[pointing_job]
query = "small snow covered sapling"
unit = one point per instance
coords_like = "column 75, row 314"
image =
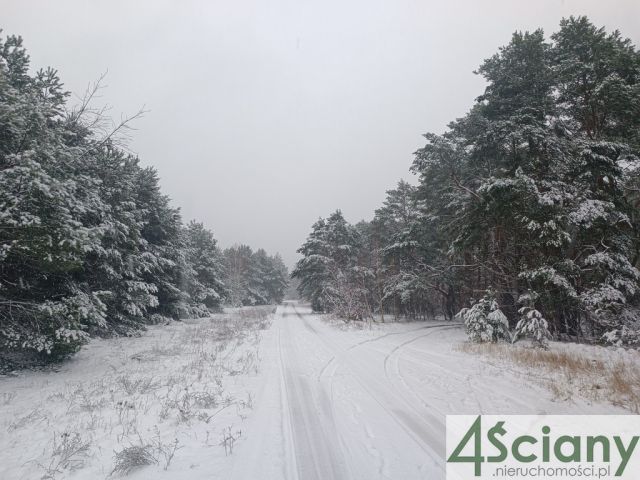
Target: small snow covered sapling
column 623, row 336
column 484, row 321
column 531, row 323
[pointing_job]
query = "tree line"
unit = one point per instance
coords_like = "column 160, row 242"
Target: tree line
column 528, row 205
column 89, row 244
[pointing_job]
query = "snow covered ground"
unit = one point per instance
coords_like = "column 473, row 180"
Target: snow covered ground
column 164, row 405
column 302, row 399
column 365, row 404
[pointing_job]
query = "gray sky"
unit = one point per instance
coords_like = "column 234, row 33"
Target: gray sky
column 265, row 115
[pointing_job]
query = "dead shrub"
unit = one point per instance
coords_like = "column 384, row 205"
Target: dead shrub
column 132, row 458
column 70, row 451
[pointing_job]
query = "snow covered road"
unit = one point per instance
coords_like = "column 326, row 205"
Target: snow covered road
column 371, row 404
column 248, row 394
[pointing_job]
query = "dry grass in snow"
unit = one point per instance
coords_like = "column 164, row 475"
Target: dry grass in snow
column 595, row 373
column 168, row 404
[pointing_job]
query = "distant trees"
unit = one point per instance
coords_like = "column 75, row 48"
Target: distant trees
column 205, row 280
column 329, row 272
column 533, row 196
column 88, row 242
column 254, row 278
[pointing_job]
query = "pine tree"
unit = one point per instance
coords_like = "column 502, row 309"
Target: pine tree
column 276, row 275
column 531, row 323
column 407, row 247
column 312, row 270
column 254, row 278
column 330, row 276
column 534, row 190
column 119, row 267
column 47, row 204
column 204, row 264
column 484, row 320
column 530, row 197
column 89, row 244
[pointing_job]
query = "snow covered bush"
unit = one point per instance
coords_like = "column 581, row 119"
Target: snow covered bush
column 622, row 337
column 132, row 458
column 532, row 324
column 347, row 299
column 484, row 321
column 623, row 328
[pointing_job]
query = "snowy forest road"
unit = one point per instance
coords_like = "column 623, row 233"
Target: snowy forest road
column 345, row 410
column 339, row 403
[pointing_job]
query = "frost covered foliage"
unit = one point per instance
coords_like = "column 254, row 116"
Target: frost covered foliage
column 254, row 278
column 622, row 337
column 346, row 298
column 49, row 211
column 536, row 188
column 484, row 321
column 203, row 273
column 331, row 276
column 540, row 190
column 532, row 325
column 88, row 242
column 624, row 328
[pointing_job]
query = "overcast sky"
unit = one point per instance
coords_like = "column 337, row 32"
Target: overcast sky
column 265, row 115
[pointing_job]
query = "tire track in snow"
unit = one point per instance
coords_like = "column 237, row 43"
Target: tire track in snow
column 415, row 339
column 290, row 467
column 268, row 451
column 345, row 447
column 332, row 367
column 435, row 421
column 310, row 414
column 371, row 340
column 390, row 402
column 450, row 374
column 481, row 393
column 393, row 358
